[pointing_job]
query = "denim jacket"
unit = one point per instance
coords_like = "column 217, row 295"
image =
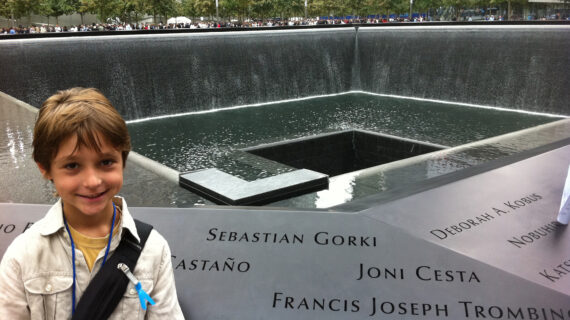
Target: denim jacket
column 36, row 273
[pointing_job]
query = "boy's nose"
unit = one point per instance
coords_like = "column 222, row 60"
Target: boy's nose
column 91, row 178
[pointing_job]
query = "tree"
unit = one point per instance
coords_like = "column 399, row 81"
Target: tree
column 187, row 8
column 138, row 9
column 84, row 6
column 426, row 5
column 15, row 9
column 204, row 8
column 164, row 8
column 399, row 6
column 45, row 9
column 235, row 8
column 6, row 8
column 107, row 9
column 324, row 7
column 351, row 7
column 127, row 8
column 288, row 8
column 261, row 8
column 58, row 8
column 373, row 7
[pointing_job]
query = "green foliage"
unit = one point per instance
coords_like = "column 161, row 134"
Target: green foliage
column 288, row 8
column 187, row 8
column 234, row 8
column 45, row 9
column 133, row 10
column 205, row 8
column 128, row 10
column 85, row 6
column 106, row 9
column 261, row 9
column 324, row 7
column 6, row 8
column 424, row 5
column 164, row 8
column 61, row 7
column 373, row 7
column 18, row 8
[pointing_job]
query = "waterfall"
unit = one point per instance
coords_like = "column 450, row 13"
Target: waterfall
column 509, row 66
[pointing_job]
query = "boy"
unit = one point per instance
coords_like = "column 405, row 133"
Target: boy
column 81, row 144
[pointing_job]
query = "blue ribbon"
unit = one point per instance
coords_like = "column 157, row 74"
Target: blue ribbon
column 143, row 296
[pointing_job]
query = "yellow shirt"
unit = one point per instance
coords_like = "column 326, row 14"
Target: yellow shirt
column 90, row 247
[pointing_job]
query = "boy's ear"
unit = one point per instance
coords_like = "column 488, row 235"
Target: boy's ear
column 43, row 170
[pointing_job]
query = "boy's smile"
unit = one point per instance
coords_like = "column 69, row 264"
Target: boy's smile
column 86, row 181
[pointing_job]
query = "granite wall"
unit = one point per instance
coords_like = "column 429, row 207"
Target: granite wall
column 521, row 67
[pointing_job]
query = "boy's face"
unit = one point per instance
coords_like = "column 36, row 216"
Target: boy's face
column 86, row 180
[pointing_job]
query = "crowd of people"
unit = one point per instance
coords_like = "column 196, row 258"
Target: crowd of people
column 94, row 27
column 42, row 28
column 112, row 27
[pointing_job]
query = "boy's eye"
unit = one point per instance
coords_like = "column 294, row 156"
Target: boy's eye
column 71, row 166
column 107, row 162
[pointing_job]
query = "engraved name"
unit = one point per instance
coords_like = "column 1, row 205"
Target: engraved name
column 423, row 273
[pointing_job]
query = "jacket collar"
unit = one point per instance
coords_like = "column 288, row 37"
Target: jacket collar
column 53, row 221
column 127, row 221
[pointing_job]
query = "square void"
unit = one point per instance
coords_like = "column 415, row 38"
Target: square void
column 342, row 152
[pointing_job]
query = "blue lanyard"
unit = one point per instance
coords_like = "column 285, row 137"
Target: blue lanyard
column 73, row 251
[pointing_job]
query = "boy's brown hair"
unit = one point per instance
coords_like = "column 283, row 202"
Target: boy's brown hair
column 83, row 112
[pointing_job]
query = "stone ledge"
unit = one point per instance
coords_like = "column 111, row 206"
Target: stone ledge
column 223, row 188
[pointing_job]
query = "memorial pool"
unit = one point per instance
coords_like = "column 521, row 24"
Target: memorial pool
column 495, row 159
column 179, row 74
column 203, row 140
column 214, row 139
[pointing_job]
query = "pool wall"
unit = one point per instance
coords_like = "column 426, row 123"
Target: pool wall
column 520, row 67
column 514, row 67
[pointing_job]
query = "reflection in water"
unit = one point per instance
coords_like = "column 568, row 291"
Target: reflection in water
column 21, row 180
column 206, row 140
column 341, row 191
column 214, row 139
column 442, row 163
column 16, row 136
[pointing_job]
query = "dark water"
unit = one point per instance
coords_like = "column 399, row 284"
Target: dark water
column 208, row 140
